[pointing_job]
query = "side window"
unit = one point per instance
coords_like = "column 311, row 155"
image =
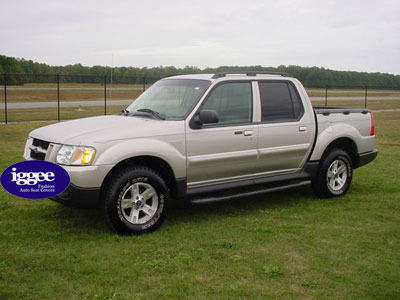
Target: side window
column 279, row 102
column 233, row 103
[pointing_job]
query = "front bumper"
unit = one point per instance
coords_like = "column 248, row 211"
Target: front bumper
column 84, row 188
column 365, row 158
column 78, row 197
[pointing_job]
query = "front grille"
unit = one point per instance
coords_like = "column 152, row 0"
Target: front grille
column 37, row 156
column 40, row 143
column 41, row 146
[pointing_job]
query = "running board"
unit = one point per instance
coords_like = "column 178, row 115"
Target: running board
column 205, row 200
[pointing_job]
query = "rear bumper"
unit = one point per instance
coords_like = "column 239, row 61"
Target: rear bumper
column 365, row 158
column 78, row 197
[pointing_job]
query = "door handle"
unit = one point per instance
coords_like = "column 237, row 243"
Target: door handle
column 248, row 133
column 302, row 128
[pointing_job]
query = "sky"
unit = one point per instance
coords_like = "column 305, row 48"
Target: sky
column 341, row 35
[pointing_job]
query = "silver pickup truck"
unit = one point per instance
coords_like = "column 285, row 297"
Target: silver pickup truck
column 205, row 138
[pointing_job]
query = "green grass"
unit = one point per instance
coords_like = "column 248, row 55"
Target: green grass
column 50, row 114
column 286, row 245
column 68, row 113
column 126, row 92
column 371, row 104
column 25, row 93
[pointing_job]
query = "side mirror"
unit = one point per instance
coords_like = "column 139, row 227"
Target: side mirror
column 204, row 117
column 208, row 116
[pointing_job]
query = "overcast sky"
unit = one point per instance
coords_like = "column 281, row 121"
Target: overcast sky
column 343, row 35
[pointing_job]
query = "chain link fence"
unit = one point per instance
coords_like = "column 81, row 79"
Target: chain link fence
column 42, row 97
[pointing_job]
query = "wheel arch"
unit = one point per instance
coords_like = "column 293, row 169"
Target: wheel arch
column 346, row 144
column 340, row 135
column 155, row 163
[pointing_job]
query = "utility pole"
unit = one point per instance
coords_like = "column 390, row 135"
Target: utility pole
column 111, row 78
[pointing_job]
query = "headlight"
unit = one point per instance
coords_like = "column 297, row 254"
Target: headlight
column 74, row 155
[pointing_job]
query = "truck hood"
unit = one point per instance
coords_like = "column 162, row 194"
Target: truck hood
column 106, row 128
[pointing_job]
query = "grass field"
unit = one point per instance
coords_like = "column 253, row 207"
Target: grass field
column 337, row 93
column 71, row 93
column 76, row 91
column 372, row 104
column 67, row 113
column 285, row 245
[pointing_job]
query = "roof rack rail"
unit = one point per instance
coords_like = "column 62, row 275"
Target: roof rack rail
column 250, row 73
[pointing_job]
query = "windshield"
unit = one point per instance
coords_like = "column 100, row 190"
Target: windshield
column 170, row 98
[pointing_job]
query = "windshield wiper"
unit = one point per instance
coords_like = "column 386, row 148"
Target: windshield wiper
column 153, row 112
column 124, row 112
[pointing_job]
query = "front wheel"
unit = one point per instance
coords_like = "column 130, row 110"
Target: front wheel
column 135, row 200
column 334, row 174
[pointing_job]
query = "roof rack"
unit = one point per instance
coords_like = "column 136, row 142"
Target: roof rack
column 250, row 73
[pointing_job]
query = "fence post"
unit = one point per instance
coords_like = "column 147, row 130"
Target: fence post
column 366, row 96
column 326, row 95
column 58, row 97
column 144, row 83
column 5, row 98
column 105, row 94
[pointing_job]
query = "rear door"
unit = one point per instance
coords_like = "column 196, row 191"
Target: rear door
column 286, row 128
column 226, row 150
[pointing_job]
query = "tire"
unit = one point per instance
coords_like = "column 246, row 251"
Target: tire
column 135, row 200
column 334, row 174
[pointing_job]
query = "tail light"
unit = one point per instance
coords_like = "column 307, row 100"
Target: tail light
column 372, row 132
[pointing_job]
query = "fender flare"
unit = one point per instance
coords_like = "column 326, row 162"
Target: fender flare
column 145, row 147
column 331, row 134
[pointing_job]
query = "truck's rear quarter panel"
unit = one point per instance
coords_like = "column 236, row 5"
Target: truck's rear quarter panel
column 334, row 124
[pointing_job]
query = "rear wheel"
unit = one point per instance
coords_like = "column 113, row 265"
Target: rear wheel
column 135, row 200
column 334, row 174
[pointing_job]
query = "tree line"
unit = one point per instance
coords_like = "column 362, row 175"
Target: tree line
column 43, row 73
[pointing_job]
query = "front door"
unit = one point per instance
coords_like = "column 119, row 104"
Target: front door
column 226, row 150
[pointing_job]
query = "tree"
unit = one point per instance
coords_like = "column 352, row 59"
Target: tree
column 307, row 75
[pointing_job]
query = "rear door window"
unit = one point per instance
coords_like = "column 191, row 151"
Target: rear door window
column 279, row 102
